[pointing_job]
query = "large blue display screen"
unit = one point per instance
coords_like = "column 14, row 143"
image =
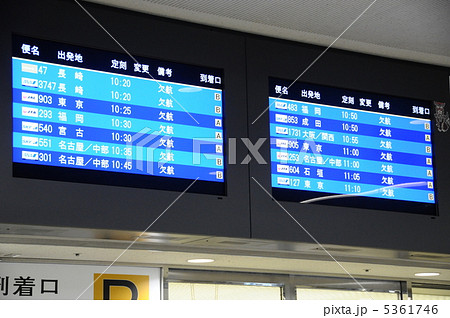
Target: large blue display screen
column 87, row 115
column 350, row 148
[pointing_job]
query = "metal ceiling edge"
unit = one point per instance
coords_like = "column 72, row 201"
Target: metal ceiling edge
column 110, row 239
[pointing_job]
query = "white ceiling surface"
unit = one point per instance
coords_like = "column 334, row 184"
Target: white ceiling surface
column 24, row 243
column 416, row 30
column 241, row 263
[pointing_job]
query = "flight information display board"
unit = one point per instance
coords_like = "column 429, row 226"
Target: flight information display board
column 349, row 148
column 88, row 115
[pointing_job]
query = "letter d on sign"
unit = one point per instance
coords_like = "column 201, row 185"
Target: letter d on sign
column 107, row 283
column 121, row 287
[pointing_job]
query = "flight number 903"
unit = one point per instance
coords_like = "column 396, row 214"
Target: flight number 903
column 45, row 99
